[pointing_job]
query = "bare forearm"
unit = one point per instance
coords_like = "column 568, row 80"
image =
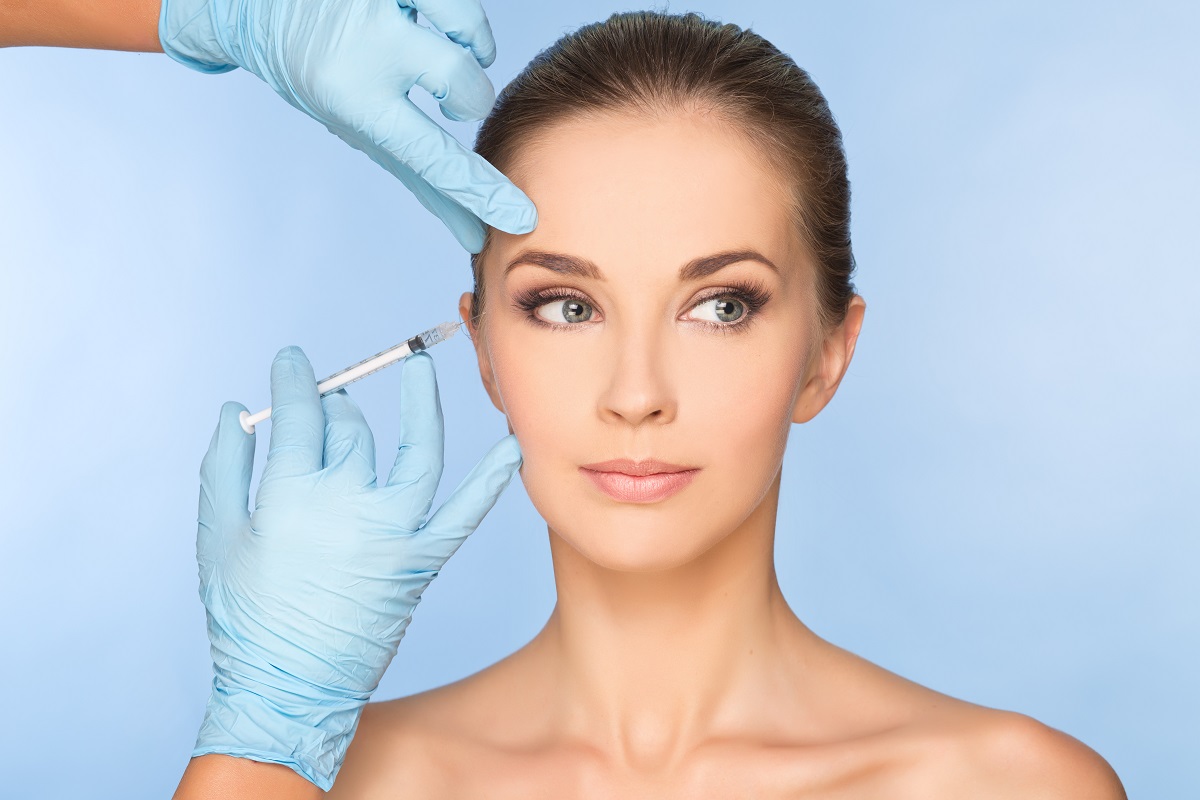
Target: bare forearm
column 230, row 778
column 96, row 24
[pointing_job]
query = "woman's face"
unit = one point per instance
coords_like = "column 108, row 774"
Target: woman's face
column 707, row 370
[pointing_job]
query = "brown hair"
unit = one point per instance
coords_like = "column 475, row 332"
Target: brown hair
column 652, row 62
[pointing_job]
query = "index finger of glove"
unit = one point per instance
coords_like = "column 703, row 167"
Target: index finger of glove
column 407, row 135
column 463, row 21
column 297, row 421
column 464, row 225
column 349, row 443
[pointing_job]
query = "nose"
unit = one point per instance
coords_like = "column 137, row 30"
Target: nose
column 640, row 386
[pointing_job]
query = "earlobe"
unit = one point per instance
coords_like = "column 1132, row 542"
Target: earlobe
column 481, row 356
column 464, row 314
column 834, row 356
column 812, row 398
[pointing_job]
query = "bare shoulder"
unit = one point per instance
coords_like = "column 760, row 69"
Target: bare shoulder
column 392, row 756
column 377, row 753
column 942, row 746
column 1004, row 754
column 465, row 738
column 427, row 744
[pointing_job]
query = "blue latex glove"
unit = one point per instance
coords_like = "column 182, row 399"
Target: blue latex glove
column 349, row 64
column 309, row 596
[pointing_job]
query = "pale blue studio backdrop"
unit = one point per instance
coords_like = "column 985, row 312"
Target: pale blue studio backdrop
column 1000, row 503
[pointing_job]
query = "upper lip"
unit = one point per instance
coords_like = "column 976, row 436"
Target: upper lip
column 647, row 466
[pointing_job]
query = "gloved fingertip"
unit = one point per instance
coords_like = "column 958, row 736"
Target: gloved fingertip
column 528, row 220
column 471, row 239
column 291, row 374
column 231, row 408
column 230, row 444
column 418, row 382
column 420, row 357
column 230, row 420
column 291, row 351
column 508, row 451
column 483, row 44
column 521, row 218
column 462, row 112
column 334, row 400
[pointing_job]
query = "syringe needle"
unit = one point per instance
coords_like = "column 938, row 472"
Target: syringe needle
column 368, row 366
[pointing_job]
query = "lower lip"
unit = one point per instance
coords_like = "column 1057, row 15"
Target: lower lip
column 640, row 489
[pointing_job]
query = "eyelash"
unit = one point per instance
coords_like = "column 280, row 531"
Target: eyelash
column 752, row 295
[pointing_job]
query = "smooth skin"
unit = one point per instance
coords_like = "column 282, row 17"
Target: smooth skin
column 108, row 25
column 671, row 665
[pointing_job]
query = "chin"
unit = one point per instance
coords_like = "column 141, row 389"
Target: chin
column 637, row 537
column 629, row 537
column 630, row 551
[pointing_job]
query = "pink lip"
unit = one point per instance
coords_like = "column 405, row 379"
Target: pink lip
column 639, row 481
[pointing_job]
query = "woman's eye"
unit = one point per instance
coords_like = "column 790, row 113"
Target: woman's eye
column 724, row 309
column 567, row 310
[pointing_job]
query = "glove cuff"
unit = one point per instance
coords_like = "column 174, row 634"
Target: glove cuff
column 313, row 742
column 193, row 32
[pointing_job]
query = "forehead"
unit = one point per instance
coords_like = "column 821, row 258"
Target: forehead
column 636, row 193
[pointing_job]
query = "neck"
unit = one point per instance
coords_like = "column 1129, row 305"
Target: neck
column 646, row 666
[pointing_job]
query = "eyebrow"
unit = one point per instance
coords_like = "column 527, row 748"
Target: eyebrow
column 695, row 269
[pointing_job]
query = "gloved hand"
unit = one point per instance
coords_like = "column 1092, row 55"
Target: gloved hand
column 349, row 64
column 309, row 596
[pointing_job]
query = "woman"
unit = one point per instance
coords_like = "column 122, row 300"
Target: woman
column 685, row 298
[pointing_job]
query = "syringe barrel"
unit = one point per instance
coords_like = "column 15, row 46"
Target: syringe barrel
column 368, row 366
column 434, row 335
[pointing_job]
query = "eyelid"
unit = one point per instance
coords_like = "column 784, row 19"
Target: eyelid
column 552, row 293
column 526, row 302
column 722, row 292
column 751, row 292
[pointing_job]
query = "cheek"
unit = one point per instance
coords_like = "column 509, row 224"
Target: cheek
column 732, row 410
column 532, row 390
column 554, row 406
column 741, row 417
column 744, row 401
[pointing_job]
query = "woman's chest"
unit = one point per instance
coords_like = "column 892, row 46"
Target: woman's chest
column 717, row 774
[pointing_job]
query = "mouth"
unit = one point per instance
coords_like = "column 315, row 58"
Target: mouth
column 647, row 481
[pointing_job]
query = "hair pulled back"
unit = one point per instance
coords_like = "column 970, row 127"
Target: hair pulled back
column 653, row 63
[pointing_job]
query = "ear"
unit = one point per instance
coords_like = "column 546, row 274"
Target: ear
column 481, row 354
column 830, row 364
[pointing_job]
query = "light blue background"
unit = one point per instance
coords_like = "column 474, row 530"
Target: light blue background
column 1000, row 503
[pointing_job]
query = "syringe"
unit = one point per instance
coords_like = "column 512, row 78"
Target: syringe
column 422, row 341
